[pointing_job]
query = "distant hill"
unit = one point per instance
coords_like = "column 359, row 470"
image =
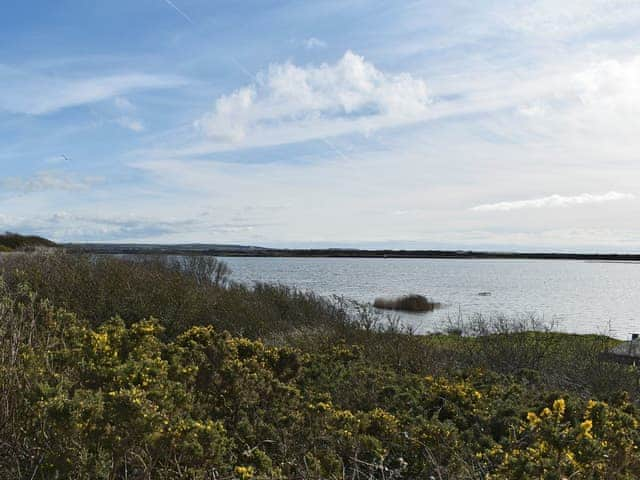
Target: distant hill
column 221, row 250
column 158, row 249
column 14, row 241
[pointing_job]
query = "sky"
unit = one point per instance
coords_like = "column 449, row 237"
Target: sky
column 502, row 125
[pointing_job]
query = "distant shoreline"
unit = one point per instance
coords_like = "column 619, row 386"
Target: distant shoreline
column 248, row 251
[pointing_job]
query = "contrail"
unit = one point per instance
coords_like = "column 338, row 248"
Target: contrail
column 190, row 20
column 173, row 5
column 244, row 70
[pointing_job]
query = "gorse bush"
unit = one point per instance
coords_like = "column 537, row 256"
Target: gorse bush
column 169, row 371
column 119, row 401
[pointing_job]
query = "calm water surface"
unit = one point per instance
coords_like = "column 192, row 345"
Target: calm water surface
column 581, row 297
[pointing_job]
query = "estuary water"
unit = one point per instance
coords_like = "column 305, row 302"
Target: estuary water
column 577, row 296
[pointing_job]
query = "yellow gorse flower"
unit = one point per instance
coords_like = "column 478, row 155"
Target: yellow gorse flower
column 585, row 429
column 559, row 406
column 533, row 419
column 244, row 473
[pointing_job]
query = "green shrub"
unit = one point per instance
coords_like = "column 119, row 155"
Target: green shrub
column 181, row 294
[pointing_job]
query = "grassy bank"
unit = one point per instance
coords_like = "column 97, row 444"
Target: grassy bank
column 152, row 369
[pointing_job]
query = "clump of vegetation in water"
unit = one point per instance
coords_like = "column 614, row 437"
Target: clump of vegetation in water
column 153, row 368
column 407, row 303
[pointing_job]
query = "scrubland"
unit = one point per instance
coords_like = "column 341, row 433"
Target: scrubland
column 152, row 368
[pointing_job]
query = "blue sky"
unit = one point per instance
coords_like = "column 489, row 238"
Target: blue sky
column 419, row 124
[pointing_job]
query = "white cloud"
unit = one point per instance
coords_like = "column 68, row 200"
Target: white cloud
column 592, row 109
column 46, row 181
column 611, row 83
column 123, row 103
column 554, row 201
column 231, row 117
column 550, row 18
column 291, row 102
column 130, row 123
column 313, row 42
column 535, row 109
column 36, row 94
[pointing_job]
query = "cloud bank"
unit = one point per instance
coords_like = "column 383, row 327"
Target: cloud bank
column 554, row 201
column 63, row 226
